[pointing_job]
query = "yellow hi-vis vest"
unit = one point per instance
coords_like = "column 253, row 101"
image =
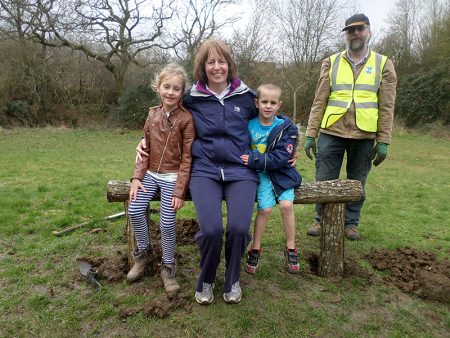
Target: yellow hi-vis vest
column 364, row 91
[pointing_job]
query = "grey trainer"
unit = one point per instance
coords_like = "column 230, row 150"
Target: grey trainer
column 206, row 296
column 235, row 295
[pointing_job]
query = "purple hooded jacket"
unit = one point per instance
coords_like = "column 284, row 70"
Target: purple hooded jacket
column 221, row 131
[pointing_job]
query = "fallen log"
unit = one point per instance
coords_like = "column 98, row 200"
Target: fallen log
column 334, row 191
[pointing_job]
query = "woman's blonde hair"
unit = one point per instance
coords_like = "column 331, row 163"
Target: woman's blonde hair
column 172, row 69
column 202, row 55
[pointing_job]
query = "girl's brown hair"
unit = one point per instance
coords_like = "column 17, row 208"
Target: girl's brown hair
column 202, row 55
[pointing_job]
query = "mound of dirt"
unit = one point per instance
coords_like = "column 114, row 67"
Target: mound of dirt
column 186, row 230
column 161, row 307
column 110, row 269
column 414, row 271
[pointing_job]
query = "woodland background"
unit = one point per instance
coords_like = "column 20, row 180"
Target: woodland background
column 80, row 63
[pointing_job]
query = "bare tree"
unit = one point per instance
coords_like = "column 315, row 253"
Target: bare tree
column 403, row 33
column 307, row 28
column 198, row 20
column 14, row 19
column 307, row 31
column 252, row 48
column 113, row 32
column 432, row 36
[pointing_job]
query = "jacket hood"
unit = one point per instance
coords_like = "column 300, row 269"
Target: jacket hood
column 237, row 86
column 275, row 133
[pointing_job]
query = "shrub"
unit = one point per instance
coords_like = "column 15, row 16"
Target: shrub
column 19, row 112
column 425, row 97
column 133, row 104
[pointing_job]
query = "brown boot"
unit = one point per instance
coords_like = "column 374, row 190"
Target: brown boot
column 352, row 233
column 168, row 276
column 141, row 259
column 314, row 230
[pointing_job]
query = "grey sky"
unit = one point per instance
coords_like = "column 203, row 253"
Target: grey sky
column 377, row 11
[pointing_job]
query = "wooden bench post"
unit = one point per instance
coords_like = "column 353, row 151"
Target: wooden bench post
column 331, row 259
column 332, row 195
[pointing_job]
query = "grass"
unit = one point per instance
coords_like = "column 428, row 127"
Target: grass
column 51, row 178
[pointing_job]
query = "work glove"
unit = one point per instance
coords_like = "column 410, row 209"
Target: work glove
column 379, row 153
column 310, row 144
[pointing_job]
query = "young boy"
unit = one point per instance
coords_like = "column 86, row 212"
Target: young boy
column 273, row 141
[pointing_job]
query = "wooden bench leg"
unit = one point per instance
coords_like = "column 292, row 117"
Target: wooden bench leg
column 331, row 259
column 131, row 242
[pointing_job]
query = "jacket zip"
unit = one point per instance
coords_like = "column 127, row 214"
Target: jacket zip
column 272, row 145
column 167, row 141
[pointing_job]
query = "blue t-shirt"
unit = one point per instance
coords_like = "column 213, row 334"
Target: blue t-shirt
column 259, row 133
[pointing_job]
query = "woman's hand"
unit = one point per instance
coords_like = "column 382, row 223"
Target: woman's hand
column 140, row 150
column 135, row 186
column 177, row 203
column 293, row 159
column 244, row 159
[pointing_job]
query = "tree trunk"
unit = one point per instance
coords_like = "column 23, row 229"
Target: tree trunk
column 331, row 259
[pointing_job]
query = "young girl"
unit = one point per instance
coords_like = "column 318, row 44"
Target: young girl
column 169, row 133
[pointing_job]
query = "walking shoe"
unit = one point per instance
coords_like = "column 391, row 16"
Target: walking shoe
column 235, row 295
column 168, row 272
column 352, row 233
column 141, row 259
column 205, row 296
column 252, row 261
column 314, row 230
column 292, row 260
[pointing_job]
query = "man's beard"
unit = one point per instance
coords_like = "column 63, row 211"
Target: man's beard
column 358, row 44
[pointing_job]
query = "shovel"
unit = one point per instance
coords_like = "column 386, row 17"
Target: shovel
column 90, row 273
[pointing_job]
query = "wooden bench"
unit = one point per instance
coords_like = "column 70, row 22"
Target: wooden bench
column 332, row 195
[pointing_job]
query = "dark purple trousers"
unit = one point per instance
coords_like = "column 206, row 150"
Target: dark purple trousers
column 207, row 195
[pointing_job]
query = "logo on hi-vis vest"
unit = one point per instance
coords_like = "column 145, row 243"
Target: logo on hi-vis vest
column 369, row 70
column 289, row 148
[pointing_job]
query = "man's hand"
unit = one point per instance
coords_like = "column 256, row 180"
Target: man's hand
column 140, row 150
column 135, row 186
column 310, row 144
column 177, row 203
column 379, row 153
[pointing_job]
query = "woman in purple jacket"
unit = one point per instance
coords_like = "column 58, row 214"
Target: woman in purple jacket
column 221, row 105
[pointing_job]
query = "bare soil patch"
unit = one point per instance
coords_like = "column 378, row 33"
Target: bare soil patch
column 351, row 268
column 115, row 268
column 161, row 307
column 414, row 271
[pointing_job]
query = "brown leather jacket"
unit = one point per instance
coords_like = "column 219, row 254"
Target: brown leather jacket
column 346, row 126
column 168, row 144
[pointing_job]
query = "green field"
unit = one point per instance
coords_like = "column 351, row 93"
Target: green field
column 51, row 179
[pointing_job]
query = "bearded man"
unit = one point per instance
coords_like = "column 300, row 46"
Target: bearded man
column 352, row 113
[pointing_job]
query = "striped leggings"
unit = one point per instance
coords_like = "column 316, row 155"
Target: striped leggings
column 138, row 208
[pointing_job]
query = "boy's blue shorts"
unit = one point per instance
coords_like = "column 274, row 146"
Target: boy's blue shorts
column 265, row 195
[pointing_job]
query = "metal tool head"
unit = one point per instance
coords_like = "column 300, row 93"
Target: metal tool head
column 85, row 267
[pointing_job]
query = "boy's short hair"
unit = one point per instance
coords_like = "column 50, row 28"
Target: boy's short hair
column 202, row 55
column 268, row 86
